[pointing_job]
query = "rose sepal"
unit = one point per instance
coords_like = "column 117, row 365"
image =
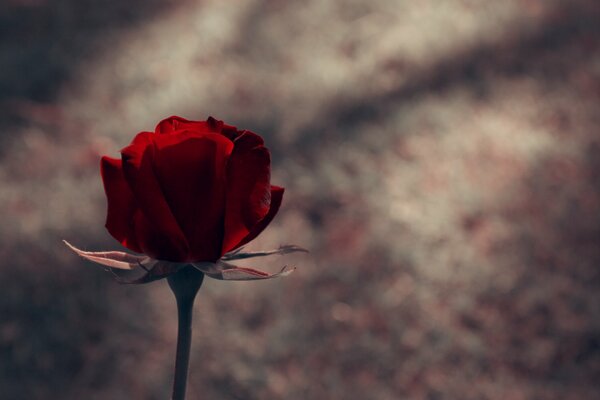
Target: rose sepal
column 158, row 269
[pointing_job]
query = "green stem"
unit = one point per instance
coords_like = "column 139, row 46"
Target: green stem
column 184, row 284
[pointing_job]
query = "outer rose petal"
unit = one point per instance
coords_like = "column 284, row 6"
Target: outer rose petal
column 248, row 188
column 191, row 170
column 217, row 126
column 175, row 123
column 276, row 199
column 158, row 233
column 121, row 203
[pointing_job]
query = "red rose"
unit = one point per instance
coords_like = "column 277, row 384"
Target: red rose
column 191, row 191
column 189, row 194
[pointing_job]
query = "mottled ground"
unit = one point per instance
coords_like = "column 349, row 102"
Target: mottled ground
column 441, row 160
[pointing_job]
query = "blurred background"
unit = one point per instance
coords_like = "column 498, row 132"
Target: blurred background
column 441, row 160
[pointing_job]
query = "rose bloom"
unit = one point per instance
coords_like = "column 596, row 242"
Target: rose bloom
column 189, row 193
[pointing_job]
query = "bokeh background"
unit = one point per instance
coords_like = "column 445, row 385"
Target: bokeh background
column 441, row 160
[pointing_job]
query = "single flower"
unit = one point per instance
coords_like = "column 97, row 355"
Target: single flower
column 189, row 193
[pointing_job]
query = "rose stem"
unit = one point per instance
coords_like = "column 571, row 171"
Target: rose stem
column 185, row 284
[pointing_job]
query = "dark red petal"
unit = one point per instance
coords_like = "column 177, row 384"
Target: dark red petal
column 248, row 188
column 154, row 242
column 218, row 126
column 158, row 233
column 121, row 204
column 191, row 170
column 230, row 132
column 276, row 199
column 214, row 124
column 175, row 123
column 247, row 140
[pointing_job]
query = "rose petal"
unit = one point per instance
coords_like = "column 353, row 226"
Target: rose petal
column 248, row 188
column 276, row 199
column 191, row 170
column 121, row 204
column 157, row 231
column 175, row 123
column 229, row 131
